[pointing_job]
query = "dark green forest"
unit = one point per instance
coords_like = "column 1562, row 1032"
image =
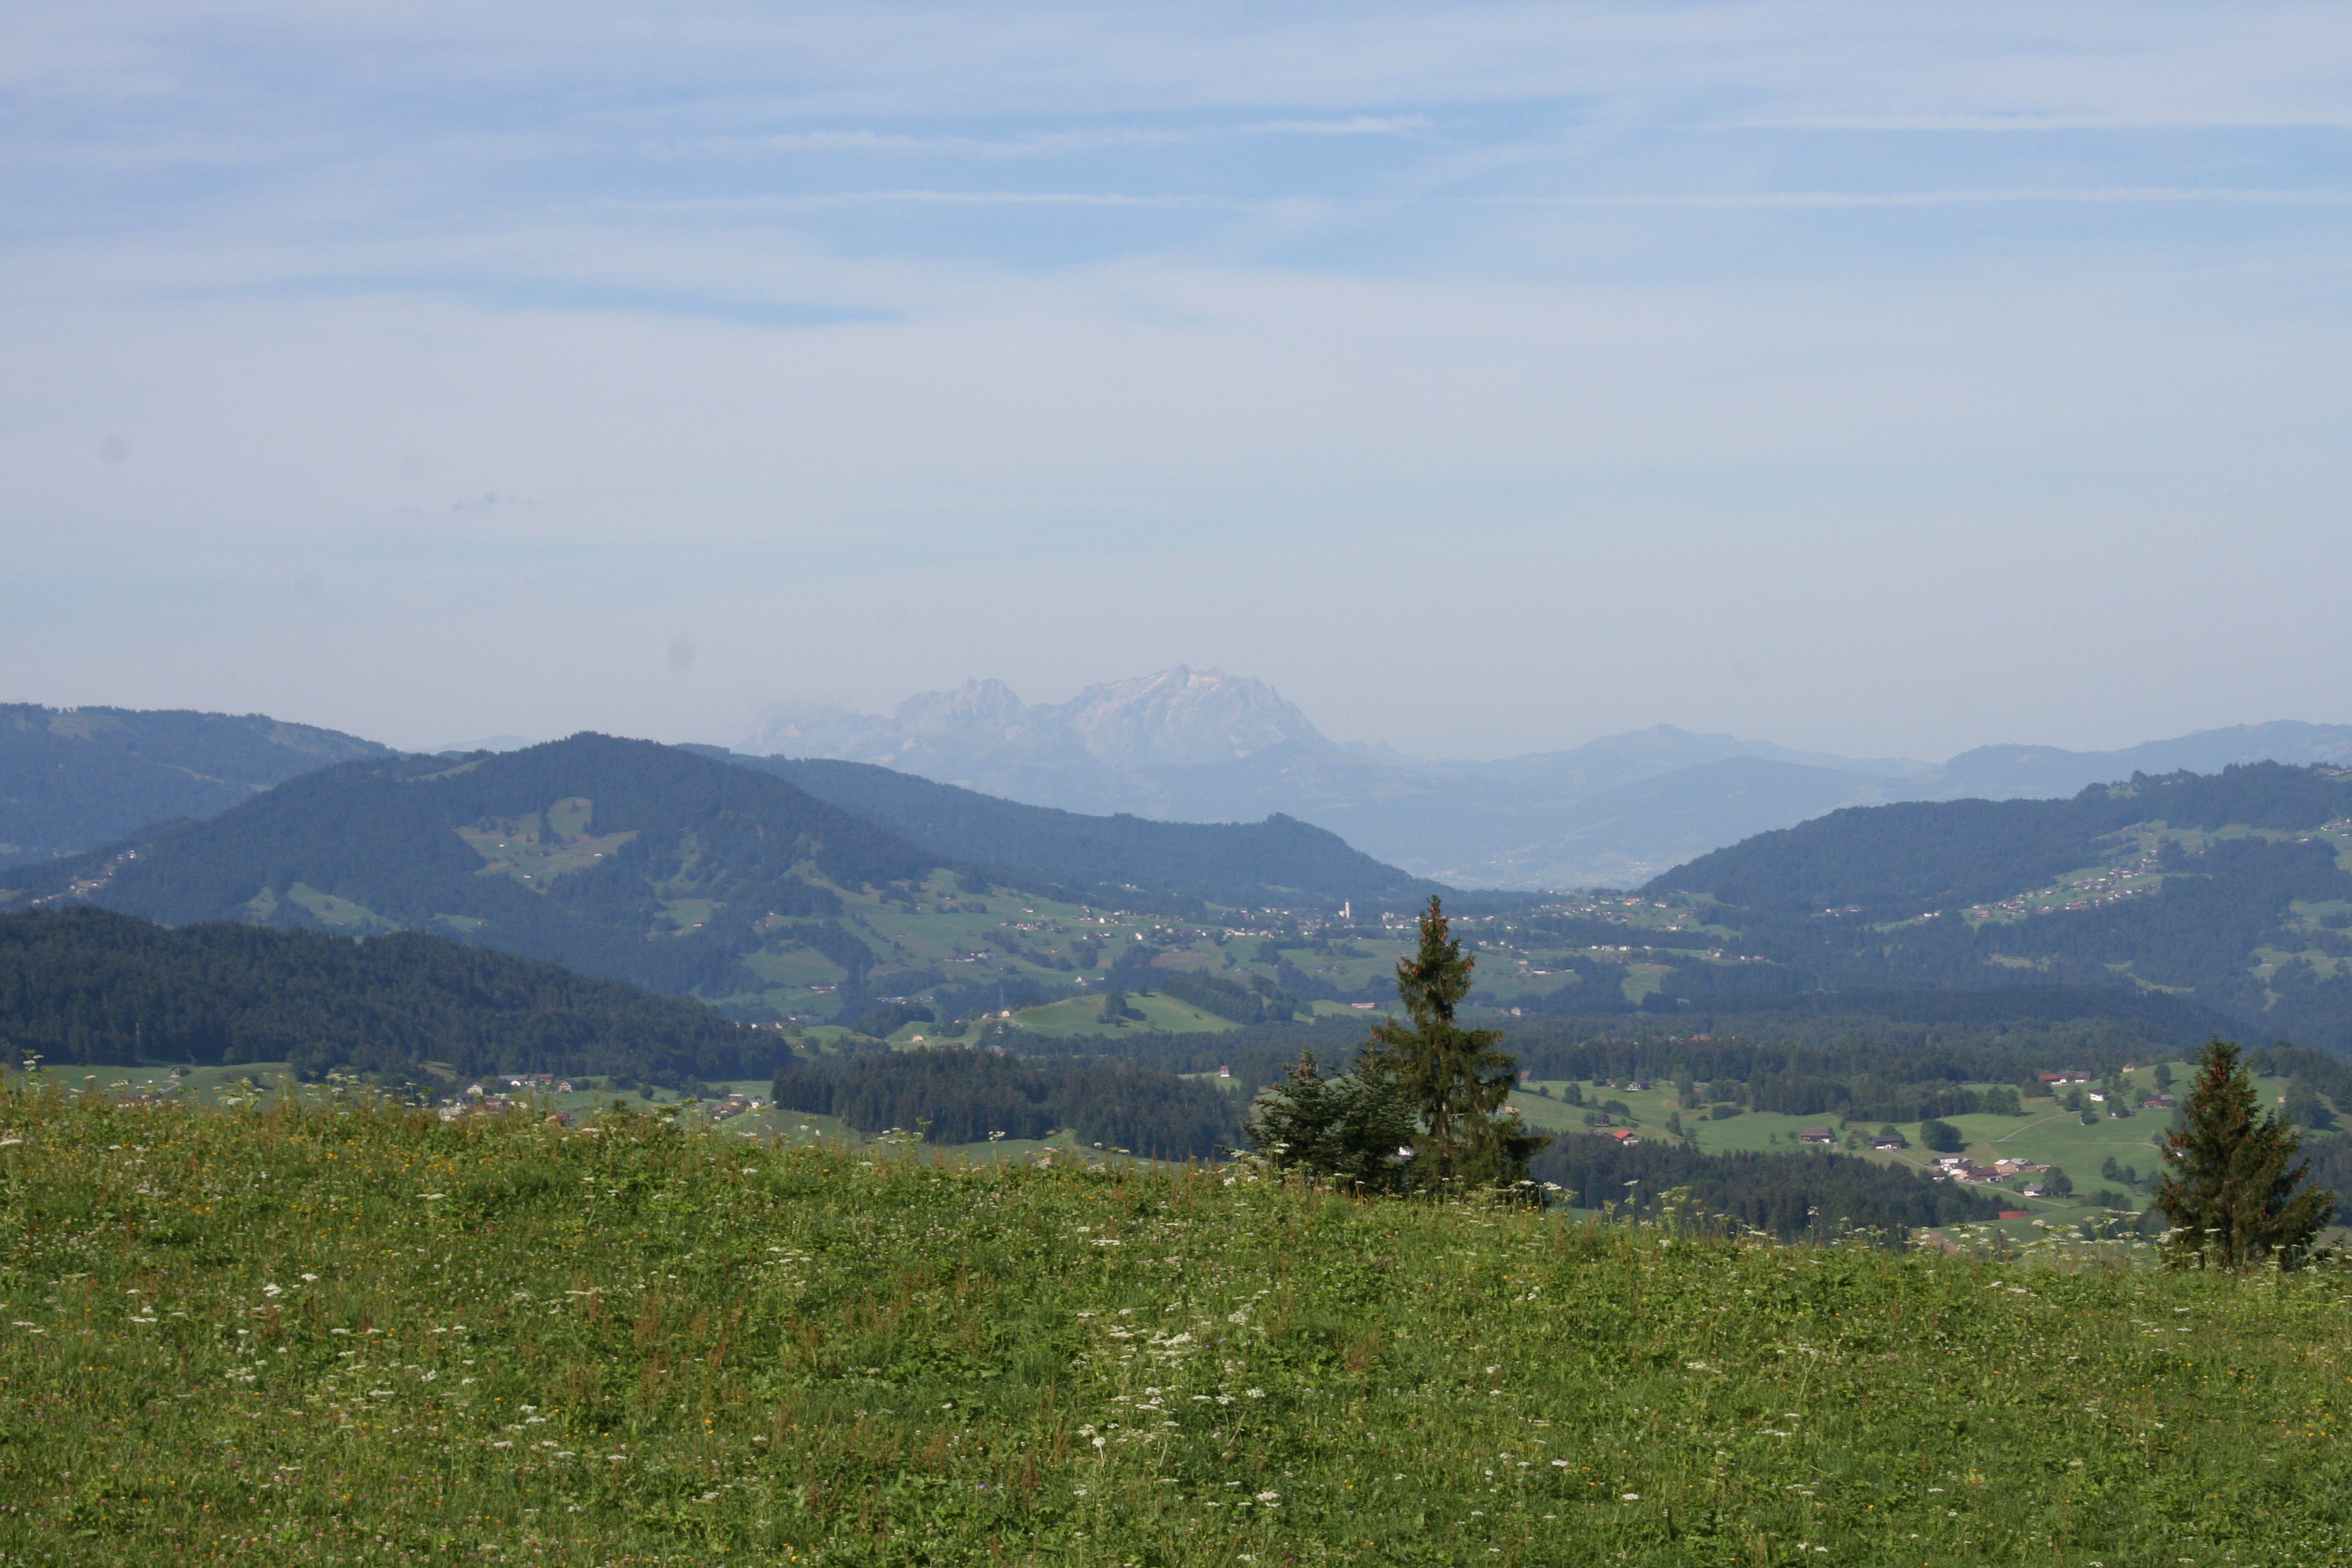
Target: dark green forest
column 71, row 779
column 1815, row 1196
column 1280, row 861
column 85, row 986
column 959, row 1096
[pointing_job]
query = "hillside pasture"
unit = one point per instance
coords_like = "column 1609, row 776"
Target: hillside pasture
column 355, row 1336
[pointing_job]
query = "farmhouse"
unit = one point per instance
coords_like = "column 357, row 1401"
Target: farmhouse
column 1816, row 1135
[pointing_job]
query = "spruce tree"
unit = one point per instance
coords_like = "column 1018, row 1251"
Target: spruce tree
column 1453, row 1078
column 1352, row 1128
column 2230, row 1184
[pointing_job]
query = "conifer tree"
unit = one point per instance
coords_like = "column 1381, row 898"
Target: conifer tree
column 1354, row 1129
column 2230, row 1183
column 1453, row 1078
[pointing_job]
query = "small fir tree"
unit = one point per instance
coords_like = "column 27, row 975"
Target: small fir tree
column 2230, row 1181
column 1354, row 1129
column 1453, row 1078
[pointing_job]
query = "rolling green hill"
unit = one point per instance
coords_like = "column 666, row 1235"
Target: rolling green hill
column 71, row 779
column 1280, row 862
column 83, row 985
column 303, row 1338
column 2233, row 889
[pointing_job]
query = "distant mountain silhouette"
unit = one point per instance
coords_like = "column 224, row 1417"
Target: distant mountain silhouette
column 74, row 778
column 2030, row 773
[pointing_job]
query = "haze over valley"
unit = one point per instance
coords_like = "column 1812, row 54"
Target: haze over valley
column 1204, row 746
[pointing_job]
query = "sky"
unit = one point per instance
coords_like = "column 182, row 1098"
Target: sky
column 1880, row 378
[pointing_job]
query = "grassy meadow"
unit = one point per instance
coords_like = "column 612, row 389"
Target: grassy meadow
column 339, row 1334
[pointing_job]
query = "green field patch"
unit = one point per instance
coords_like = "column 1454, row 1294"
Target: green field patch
column 2268, row 959
column 538, row 847
column 1083, row 1015
column 679, row 916
column 794, row 966
column 336, row 913
column 197, row 1084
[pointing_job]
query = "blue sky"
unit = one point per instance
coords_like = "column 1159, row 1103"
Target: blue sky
column 1879, row 378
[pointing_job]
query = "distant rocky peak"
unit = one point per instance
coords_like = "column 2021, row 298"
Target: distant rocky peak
column 988, row 705
column 1182, row 717
column 1176, row 718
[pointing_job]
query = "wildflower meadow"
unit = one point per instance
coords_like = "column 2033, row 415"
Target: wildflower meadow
column 357, row 1334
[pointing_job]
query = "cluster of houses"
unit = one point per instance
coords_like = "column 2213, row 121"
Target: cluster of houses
column 2089, row 892
column 478, row 1100
column 1960, row 1168
column 2071, row 1078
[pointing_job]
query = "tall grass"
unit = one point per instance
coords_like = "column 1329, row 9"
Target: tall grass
column 360, row 1336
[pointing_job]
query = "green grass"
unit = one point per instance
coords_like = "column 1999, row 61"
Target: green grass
column 347, row 1336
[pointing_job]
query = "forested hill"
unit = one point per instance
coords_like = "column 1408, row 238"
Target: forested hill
column 1280, row 861
column 621, row 859
column 74, row 778
column 85, row 986
column 2233, row 889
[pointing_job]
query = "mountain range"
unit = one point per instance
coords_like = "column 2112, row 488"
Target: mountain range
column 689, row 874
column 1204, row 746
column 806, row 889
column 1180, row 747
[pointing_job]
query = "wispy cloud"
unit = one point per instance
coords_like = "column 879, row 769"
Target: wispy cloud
column 1092, row 139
